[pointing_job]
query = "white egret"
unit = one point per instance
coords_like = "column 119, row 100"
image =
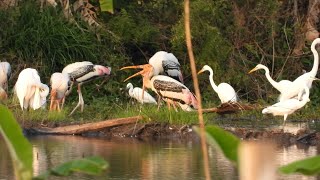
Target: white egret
column 29, row 89
column 288, row 106
column 169, row 89
column 297, row 86
column 81, row 72
column 136, row 93
column 225, row 91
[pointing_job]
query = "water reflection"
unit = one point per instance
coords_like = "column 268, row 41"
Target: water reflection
column 136, row 159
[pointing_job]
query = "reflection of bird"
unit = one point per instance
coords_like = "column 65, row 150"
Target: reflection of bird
column 225, row 91
column 288, row 106
column 29, row 89
column 59, row 86
column 137, row 94
column 5, row 71
column 281, row 86
column 81, row 72
column 164, row 63
column 171, row 90
column 297, row 86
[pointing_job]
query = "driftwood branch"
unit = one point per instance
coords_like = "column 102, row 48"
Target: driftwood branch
column 227, row 108
column 78, row 129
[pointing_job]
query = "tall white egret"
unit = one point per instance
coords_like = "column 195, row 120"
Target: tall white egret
column 136, row 93
column 297, row 86
column 5, row 72
column 29, row 89
column 81, row 72
column 59, row 85
column 225, row 91
column 171, row 90
column 288, row 106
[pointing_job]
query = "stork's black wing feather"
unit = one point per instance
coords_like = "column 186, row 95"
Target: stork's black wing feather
column 167, row 86
column 81, row 71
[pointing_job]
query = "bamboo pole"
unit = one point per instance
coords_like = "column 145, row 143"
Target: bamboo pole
column 196, row 87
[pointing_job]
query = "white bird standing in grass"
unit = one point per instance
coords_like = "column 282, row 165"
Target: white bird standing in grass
column 59, row 86
column 297, row 86
column 169, row 89
column 281, row 86
column 81, row 72
column 136, row 93
column 5, row 72
column 288, row 106
column 29, row 89
column 225, row 91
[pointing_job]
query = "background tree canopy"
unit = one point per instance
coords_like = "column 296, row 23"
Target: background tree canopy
column 230, row 36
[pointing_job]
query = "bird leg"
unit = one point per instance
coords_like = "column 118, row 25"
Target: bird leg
column 284, row 122
column 80, row 103
column 159, row 99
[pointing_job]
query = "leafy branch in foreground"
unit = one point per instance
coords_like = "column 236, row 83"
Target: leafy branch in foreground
column 308, row 166
column 21, row 153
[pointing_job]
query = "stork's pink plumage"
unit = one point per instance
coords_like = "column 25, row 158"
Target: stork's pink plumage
column 166, row 87
column 81, row 72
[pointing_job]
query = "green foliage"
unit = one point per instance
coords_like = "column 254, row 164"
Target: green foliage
column 106, row 5
column 19, row 147
column 90, row 165
column 308, row 166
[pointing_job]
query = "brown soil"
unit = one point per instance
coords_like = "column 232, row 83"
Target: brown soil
column 167, row 131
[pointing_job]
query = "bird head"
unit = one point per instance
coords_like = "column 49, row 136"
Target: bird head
column 129, row 85
column 147, row 71
column 102, row 70
column 204, row 68
column 259, row 66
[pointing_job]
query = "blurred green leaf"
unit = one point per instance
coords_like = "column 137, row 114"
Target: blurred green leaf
column 225, row 141
column 309, row 166
column 106, row 5
column 90, row 165
column 19, row 147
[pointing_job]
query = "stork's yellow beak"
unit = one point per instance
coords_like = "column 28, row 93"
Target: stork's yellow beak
column 201, row 71
column 133, row 67
column 252, row 70
column 136, row 74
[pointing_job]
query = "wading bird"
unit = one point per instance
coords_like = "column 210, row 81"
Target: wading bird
column 167, row 88
column 225, row 91
column 297, row 86
column 81, row 72
column 165, row 63
column 29, row 89
column 5, row 72
column 136, row 93
column 281, row 86
column 288, row 106
column 60, row 83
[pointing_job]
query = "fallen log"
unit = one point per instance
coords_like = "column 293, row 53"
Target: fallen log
column 78, row 129
column 227, row 108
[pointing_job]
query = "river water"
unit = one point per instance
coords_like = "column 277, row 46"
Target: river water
column 130, row 158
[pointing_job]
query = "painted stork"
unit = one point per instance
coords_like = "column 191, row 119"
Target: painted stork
column 225, row 91
column 169, row 89
column 297, row 86
column 29, row 89
column 81, row 72
column 5, row 72
column 136, row 93
column 288, row 106
column 60, row 83
column 165, row 63
column 281, row 86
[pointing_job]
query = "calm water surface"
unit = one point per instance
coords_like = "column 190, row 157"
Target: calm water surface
column 137, row 159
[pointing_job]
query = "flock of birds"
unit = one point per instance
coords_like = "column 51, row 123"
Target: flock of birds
column 162, row 75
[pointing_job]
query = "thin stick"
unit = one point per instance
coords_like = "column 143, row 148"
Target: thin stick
column 196, row 87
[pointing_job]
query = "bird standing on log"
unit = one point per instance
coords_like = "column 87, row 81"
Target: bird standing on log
column 29, row 89
column 81, row 72
column 5, row 72
column 169, row 89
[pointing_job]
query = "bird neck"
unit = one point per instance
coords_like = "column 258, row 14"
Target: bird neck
column 147, row 82
column 130, row 90
column 272, row 81
column 214, row 86
column 314, row 69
